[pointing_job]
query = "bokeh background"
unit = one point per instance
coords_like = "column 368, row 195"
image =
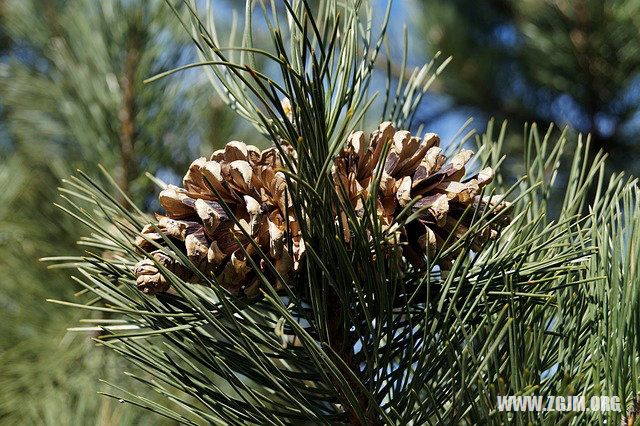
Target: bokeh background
column 72, row 97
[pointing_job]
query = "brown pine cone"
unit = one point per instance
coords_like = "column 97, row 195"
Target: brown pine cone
column 247, row 181
column 414, row 167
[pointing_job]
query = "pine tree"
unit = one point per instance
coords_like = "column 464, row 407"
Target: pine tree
column 362, row 331
column 570, row 62
column 72, row 96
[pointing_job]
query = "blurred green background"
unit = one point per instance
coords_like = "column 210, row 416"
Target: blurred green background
column 72, row 96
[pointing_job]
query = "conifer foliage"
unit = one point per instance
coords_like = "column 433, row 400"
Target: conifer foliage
column 336, row 278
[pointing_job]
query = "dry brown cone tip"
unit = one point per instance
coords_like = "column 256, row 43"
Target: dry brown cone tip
column 633, row 412
column 247, row 180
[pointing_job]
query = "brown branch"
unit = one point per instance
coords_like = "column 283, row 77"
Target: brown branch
column 127, row 112
column 584, row 56
column 51, row 17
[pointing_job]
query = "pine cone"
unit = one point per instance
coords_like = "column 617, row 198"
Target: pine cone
column 246, row 180
column 415, row 167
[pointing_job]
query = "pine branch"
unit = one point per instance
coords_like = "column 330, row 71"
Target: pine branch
column 128, row 111
column 369, row 326
column 480, row 288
